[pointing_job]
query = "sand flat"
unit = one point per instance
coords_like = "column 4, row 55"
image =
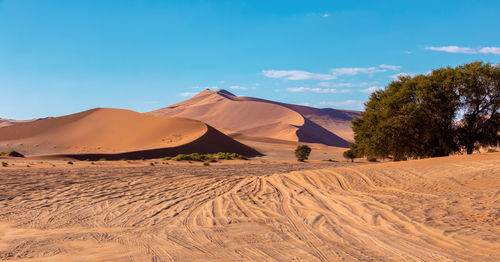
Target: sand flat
column 442, row 209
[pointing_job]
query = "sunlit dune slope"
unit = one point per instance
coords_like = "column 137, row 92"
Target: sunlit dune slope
column 116, row 131
column 255, row 117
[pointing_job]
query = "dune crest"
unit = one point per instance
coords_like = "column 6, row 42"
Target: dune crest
column 254, row 117
column 116, row 133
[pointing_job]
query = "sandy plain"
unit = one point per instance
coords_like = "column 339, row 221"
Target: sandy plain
column 442, row 209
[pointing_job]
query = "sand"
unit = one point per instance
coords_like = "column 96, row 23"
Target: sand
column 254, row 117
column 116, row 134
column 442, row 209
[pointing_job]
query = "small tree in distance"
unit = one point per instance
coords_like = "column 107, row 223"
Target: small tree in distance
column 302, row 152
column 349, row 154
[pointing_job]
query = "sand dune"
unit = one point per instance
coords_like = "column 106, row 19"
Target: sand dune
column 443, row 209
column 266, row 119
column 9, row 122
column 116, row 133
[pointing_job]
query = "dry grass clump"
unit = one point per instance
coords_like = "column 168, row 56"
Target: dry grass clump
column 209, row 158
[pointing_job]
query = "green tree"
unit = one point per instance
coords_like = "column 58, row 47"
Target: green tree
column 479, row 89
column 416, row 116
column 349, row 154
column 302, row 152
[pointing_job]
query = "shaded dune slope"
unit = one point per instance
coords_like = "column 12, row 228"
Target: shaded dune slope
column 254, row 117
column 116, row 134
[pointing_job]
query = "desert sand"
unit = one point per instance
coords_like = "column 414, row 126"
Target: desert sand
column 265, row 119
column 10, row 122
column 442, row 209
column 116, row 134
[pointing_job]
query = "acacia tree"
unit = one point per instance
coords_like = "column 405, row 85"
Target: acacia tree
column 479, row 89
column 302, row 152
column 415, row 116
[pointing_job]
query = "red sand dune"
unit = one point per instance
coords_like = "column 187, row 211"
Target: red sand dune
column 256, row 117
column 115, row 134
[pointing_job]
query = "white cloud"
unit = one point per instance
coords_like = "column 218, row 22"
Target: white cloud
column 465, row 50
column 318, row 90
column 187, row 94
column 328, row 84
column 408, row 52
column 363, row 70
column 372, row 89
column 391, row 67
column 360, row 84
column 346, row 103
column 326, row 15
column 296, row 75
column 396, row 76
column 490, row 50
column 334, row 73
column 238, row 87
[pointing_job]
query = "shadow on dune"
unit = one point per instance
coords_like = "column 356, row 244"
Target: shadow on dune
column 212, row 141
column 310, row 132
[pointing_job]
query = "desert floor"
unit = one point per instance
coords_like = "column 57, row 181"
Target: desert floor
column 444, row 209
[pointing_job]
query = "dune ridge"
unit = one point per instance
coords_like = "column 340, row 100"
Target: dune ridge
column 256, row 117
column 116, row 134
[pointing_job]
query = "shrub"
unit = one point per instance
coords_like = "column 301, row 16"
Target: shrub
column 4, row 164
column 225, row 156
column 206, row 163
column 349, row 154
column 12, row 153
column 492, row 150
column 371, row 159
column 152, row 164
column 167, row 158
column 302, row 152
column 102, row 159
column 180, row 157
column 242, row 157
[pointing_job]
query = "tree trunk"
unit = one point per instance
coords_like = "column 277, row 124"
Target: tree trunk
column 470, row 149
column 352, row 160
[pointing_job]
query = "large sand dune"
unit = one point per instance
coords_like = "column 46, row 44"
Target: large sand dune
column 259, row 118
column 444, row 209
column 115, row 134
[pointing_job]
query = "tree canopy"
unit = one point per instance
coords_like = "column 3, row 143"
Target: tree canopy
column 443, row 112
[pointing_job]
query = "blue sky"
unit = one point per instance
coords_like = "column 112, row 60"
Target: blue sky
column 59, row 57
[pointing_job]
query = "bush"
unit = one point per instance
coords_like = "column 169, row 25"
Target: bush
column 167, row 158
column 206, row 163
column 180, row 157
column 152, row 164
column 371, row 159
column 349, row 154
column 12, row 153
column 102, row 159
column 4, row 164
column 302, row 152
column 242, row 157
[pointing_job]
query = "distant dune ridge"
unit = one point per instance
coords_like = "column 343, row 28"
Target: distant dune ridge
column 9, row 122
column 254, row 117
column 116, row 134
